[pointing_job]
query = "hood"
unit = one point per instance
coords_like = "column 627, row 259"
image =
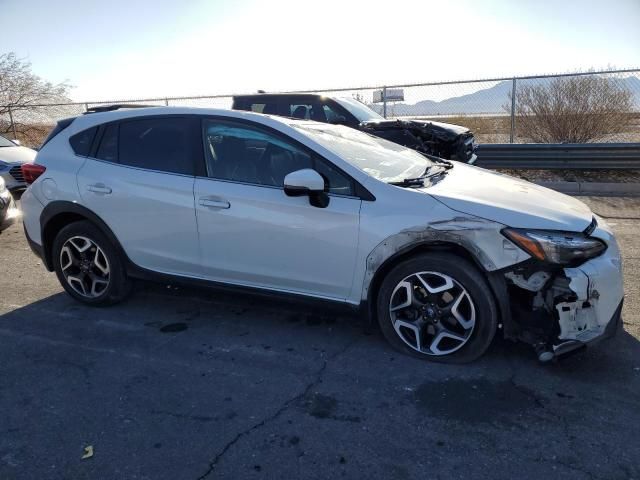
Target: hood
column 443, row 128
column 17, row 154
column 508, row 200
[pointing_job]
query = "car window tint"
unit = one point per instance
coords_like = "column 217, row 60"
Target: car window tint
column 81, row 142
column 257, row 107
column 108, row 149
column 251, row 155
column 308, row 111
column 270, row 108
column 338, row 182
column 157, row 144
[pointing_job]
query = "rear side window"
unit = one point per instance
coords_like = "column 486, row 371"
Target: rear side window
column 108, row 149
column 81, row 142
column 165, row 144
column 157, row 144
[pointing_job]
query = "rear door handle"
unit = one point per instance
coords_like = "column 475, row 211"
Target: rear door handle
column 99, row 188
column 214, row 202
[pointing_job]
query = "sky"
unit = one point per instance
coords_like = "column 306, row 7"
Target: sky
column 125, row 49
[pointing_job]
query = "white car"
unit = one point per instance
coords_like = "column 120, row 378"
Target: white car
column 12, row 157
column 441, row 254
column 8, row 211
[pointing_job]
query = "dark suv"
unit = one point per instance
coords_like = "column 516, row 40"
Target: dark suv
column 441, row 139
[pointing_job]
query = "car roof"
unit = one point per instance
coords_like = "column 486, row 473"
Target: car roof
column 278, row 95
column 96, row 118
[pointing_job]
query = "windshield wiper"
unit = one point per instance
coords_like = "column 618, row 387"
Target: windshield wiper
column 447, row 164
column 419, row 181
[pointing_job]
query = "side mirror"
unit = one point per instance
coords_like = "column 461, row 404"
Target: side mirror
column 17, row 142
column 307, row 182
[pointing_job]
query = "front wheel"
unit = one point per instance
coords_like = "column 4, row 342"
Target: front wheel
column 88, row 266
column 439, row 307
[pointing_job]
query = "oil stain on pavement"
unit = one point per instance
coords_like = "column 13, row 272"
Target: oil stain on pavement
column 475, row 400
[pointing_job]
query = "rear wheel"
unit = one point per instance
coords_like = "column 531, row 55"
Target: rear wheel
column 88, row 266
column 437, row 307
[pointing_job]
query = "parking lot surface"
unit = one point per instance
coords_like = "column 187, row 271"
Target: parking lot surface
column 188, row 384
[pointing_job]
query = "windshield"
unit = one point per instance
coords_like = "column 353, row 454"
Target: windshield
column 6, row 143
column 384, row 160
column 358, row 109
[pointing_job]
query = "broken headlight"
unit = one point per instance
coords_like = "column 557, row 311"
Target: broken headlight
column 561, row 248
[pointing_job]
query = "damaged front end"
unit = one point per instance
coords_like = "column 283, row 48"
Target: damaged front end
column 560, row 308
column 443, row 140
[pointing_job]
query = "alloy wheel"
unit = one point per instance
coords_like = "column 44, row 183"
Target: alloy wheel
column 84, row 266
column 432, row 313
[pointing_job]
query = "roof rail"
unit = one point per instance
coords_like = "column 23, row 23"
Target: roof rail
column 116, row 106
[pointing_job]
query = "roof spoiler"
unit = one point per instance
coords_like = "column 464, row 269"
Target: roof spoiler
column 116, row 106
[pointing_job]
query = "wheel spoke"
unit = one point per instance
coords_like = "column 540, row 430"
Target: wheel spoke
column 100, row 262
column 440, row 336
column 95, row 282
column 414, row 327
column 70, row 260
column 466, row 323
column 408, row 287
column 77, row 281
column 448, row 284
column 81, row 244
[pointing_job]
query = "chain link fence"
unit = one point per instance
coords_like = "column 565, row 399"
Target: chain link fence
column 607, row 102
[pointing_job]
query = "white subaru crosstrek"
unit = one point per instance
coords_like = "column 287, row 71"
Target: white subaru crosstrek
column 440, row 253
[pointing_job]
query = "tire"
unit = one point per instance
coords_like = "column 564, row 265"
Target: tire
column 89, row 283
column 454, row 324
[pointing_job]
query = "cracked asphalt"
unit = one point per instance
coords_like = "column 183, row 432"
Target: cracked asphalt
column 193, row 384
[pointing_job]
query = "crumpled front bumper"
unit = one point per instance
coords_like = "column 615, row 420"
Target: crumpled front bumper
column 598, row 285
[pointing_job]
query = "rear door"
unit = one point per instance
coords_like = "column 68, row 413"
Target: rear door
column 139, row 179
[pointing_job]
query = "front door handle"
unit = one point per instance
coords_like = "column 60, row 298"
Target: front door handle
column 214, row 202
column 99, row 188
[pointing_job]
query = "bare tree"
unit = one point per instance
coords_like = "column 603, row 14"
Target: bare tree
column 576, row 109
column 20, row 90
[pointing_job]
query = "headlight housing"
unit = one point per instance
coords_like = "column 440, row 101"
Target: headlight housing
column 560, row 248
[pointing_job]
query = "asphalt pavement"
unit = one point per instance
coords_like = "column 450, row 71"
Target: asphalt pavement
column 190, row 384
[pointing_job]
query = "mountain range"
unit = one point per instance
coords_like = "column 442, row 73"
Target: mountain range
column 489, row 100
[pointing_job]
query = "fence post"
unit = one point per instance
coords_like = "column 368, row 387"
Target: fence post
column 86, row 107
column 513, row 110
column 384, row 102
column 13, row 125
column 166, row 102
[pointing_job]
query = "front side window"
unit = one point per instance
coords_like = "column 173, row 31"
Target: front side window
column 307, row 111
column 358, row 109
column 248, row 154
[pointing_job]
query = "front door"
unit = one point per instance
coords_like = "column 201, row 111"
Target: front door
column 252, row 234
